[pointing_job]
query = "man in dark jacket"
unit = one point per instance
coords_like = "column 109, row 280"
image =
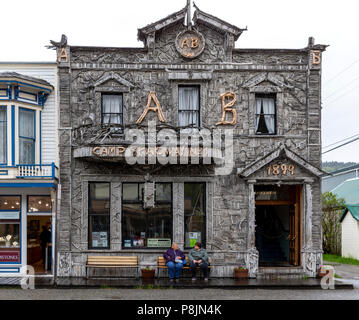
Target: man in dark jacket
column 174, row 261
column 45, row 239
column 198, row 257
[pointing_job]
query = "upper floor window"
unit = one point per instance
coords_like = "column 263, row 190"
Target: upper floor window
column 26, row 136
column 112, row 109
column 188, row 106
column 265, row 111
column 3, row 135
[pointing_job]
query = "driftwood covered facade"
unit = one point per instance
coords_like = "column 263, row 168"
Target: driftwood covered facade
column 276, row 153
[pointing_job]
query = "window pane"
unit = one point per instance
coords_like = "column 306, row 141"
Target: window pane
column 27, row 151
column 195, row 213
column 9, row 203
column 27, row 123
column 163, row 192
column 188, row 98
column 99, row 227
column 99, row 198
column 265, row 114
column 143, row 228
column 188, row 118
column 146, row 227
column 112, row 108
column 3, row 135
column 39, row 204
column 130, row 192
column 9, row 242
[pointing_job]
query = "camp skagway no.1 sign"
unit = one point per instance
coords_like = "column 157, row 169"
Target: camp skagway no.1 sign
column 190, row 43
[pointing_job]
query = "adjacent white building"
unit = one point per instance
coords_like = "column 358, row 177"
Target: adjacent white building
column 28, row 166
column 350, row 232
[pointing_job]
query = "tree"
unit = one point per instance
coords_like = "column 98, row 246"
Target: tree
column 332, row 209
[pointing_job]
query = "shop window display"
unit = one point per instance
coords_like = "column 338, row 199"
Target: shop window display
column 146, row 227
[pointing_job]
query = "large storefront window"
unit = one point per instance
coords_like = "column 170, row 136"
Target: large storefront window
column 146, row 228
column 10, row 229
column 26, row 136
column 99, row 215
column 195, row 213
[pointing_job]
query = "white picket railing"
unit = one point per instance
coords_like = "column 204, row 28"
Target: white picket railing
column 36, row 171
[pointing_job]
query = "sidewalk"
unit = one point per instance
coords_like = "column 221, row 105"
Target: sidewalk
column 348, row 272
column 215, row 283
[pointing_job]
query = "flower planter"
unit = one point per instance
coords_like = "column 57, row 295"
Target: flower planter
column 147, row 274
column 241, row 274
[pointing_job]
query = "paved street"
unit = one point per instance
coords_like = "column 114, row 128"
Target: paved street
column 172, row 294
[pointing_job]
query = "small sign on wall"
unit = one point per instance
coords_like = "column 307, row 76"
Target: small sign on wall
column 9, row 256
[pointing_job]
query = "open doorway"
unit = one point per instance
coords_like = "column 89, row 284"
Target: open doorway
column 39, row 246
column 278, row 225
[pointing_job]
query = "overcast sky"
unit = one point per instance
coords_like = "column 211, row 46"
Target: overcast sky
column 271, row 24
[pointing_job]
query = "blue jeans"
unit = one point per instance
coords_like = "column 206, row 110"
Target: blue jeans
column 174, row 269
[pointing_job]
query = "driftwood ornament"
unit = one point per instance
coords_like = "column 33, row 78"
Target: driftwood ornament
column 228, row 107
column 158, row 109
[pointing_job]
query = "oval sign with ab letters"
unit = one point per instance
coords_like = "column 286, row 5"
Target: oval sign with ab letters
column 190, row 43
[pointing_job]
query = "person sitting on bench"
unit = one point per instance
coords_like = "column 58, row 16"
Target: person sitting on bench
column 198, row 257
column 174, row 261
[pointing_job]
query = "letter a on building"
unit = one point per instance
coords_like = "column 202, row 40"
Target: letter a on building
column 157, row 108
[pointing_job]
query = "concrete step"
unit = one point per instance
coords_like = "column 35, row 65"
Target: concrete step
column 273, row 273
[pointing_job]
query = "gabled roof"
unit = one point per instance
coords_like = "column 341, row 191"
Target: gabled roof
column 353, row 209
column 200, row 17
column 349, row 190
column 265, row 76
column 21, row 77
column 165, row 22
column 213, row 22
column 113, row 76
column 282, row 150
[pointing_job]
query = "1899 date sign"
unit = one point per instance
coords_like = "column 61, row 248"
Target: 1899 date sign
column 190, row 43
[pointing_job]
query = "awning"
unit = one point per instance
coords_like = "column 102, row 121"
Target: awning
column 353, row 209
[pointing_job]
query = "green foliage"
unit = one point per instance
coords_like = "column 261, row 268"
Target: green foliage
column 339, row 259
column 332, row 202
column 332, row 209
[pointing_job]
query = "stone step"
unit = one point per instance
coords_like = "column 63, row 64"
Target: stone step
column 280, row 273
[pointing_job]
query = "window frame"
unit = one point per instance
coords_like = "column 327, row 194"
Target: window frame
column 141, row 203
column 4, row 107
column 89, row 215
column 120, row 114
column 198, row 86
column 33, row 139
column 272, row 95
column 204, row 243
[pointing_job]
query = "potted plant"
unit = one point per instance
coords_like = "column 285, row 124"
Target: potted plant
column 148, row 273
column 241, row 272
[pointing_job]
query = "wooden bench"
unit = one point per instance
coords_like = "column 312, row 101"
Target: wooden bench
column 111, row 262
column 161, row 264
